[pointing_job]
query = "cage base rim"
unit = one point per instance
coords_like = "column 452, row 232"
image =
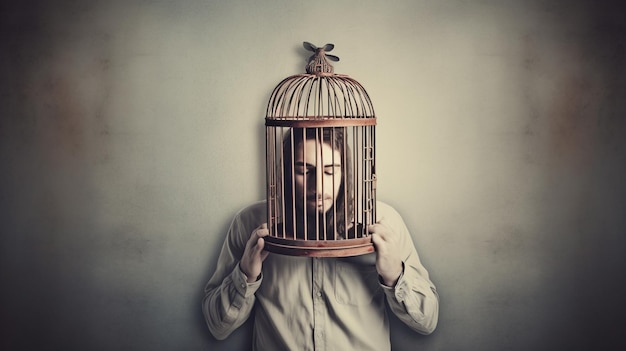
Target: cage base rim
column 319, row 248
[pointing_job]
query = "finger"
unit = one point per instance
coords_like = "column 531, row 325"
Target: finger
column 257, row 233
column 262, row 230
column 260, row 246
column 252, row 241
column 258, row 249
column 379, row 226
column 379, row 229
column 379, row 242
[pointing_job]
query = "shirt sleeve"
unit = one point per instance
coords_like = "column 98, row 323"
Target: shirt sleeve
column 228, row 297
column 414, row 298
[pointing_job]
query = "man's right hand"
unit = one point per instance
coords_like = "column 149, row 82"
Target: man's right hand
column 253, row 256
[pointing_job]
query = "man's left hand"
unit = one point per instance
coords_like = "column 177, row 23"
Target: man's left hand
column 387, row 245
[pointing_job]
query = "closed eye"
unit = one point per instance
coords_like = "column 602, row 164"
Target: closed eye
column 305, row 168
column 331, row 169
column 302, row 168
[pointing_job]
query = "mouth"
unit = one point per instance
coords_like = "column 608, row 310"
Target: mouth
column 318, row 201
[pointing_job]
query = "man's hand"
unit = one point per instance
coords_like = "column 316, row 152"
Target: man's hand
column 387, row 245
column 253, row 256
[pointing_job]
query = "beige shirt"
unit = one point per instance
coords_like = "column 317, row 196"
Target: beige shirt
column 305, row 303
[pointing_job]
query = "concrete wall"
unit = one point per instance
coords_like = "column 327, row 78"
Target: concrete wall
column 131, row 132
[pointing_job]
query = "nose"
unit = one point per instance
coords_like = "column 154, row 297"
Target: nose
column 315, row 183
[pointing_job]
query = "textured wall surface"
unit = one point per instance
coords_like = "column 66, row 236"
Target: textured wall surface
column 131, row 132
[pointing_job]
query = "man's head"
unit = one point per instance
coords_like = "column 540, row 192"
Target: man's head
column 317, row 175
column 316, row 170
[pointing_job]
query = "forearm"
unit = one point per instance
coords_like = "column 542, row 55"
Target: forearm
column 413, row 298
column 414, row 301
column 228, row 305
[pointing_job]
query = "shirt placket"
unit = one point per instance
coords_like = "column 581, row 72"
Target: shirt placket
column 319, row 306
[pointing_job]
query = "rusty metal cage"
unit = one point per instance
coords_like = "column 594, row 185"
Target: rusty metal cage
column 321, row 179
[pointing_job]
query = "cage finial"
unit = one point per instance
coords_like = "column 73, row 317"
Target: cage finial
column 318, row 62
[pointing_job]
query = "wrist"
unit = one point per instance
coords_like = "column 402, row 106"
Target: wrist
column 250, row 278
column 390, row 280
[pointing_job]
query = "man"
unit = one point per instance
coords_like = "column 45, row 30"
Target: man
column 303, row 303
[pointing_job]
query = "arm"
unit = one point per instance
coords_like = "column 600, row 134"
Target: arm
column 411, row 295
column 229, row 294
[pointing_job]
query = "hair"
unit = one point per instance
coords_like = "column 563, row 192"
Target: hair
column 340, row 214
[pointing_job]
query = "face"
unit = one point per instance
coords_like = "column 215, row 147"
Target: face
column 317, row 176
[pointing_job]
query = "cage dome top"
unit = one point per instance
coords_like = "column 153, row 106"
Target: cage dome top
column 319, row 97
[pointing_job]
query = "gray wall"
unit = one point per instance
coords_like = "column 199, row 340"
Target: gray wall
column 131, row 132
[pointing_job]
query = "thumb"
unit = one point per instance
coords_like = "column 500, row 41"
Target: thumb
column 260, row 244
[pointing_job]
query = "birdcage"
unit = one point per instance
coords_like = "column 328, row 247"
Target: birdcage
column 321, row 179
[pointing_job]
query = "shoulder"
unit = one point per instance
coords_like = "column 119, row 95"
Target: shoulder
column 385, row 210
column 392, row 218
column 258, row 208
column 252, row 215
